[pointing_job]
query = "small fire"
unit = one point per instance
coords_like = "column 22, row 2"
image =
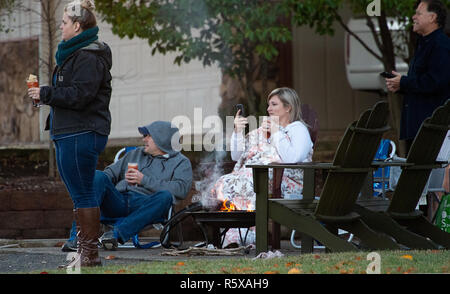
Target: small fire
column 228, row 206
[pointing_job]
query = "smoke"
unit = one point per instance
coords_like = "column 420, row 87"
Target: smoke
column 209, row 170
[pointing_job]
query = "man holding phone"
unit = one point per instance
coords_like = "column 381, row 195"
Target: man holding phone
column 427, row 84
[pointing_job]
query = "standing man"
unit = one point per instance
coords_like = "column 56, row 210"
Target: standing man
column 427, row 84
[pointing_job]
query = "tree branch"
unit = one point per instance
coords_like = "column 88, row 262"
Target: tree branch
column 347, row 29
column 371, row 25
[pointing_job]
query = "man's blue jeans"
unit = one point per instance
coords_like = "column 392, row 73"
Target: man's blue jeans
column 136, row 210
column 76, row 158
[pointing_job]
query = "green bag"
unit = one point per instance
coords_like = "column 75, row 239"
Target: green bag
column 443, row 214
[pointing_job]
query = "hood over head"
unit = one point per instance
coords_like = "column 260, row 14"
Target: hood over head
column 164, row 134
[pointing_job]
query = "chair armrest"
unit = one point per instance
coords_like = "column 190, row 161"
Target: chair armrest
column 308, row 180
column 409, row 165
column 301, row 165
column 381, row 163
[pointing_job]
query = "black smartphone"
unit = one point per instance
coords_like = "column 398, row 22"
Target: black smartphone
column 387, row 75
column 241, row 108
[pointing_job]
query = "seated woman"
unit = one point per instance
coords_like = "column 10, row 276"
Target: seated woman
column 283, row 137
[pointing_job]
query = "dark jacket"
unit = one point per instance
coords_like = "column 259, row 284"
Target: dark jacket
column 427, row 84
column 82, row 91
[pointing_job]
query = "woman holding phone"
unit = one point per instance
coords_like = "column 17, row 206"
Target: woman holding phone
column 282, row 137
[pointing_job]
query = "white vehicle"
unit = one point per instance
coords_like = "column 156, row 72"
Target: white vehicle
column 363, row 69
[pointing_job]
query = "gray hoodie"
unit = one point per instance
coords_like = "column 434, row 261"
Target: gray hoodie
column 171, row 172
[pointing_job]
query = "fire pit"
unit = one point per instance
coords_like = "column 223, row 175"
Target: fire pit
column 225, row 220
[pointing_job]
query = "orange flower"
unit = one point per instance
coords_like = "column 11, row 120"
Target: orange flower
column 294, row 271
column 406, row 256
column 271, row 272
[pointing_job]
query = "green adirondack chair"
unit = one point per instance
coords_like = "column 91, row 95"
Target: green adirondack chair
column 399, row 218
column 346, row 175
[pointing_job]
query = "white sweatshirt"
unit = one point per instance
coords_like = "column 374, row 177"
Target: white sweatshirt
column 293, row 143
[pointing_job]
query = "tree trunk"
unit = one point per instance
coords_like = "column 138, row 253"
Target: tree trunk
column 48, row 9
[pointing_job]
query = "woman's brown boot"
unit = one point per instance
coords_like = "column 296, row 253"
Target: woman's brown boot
column 89, row 222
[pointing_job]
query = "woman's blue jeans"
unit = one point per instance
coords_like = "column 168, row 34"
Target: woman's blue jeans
column 76, row 158
column 129, row 212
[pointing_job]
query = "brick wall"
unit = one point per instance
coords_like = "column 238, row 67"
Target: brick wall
column 39, row 215
column 31, row 214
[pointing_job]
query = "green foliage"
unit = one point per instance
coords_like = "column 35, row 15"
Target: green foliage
column 228, row 33
column 322, row 14
column 240, row 36
column 6, row 8
column 318, row 14
column 231, row 33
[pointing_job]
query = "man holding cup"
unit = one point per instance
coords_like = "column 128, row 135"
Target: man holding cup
column 143, row 194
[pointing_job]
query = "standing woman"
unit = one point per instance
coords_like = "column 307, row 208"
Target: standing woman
column 79, row 119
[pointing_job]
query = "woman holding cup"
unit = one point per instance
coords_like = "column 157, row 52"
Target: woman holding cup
column 79, row 119
column 32, row 82
column 282, row 137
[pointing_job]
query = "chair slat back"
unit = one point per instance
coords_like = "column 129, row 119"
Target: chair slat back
column 424, row 150
column 311, row 118
column 354, row 155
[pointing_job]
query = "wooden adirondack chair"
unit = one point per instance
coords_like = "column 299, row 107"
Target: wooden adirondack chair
column 401, row 220
column 346, row 175
column 311, row 119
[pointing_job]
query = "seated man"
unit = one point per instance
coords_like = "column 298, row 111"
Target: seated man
column 145, row 195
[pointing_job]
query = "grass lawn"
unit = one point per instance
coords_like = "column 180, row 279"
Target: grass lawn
column 391, row 262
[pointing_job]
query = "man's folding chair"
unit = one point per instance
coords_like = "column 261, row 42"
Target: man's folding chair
column 110, row 222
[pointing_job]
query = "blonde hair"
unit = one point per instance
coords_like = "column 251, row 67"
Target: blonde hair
column 289, row 98
column 82, row 11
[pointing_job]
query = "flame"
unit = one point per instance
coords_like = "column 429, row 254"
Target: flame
column 228, row 206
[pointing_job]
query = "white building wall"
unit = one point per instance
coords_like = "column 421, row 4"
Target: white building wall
column 145, row 87
column 24, row 23
column 148, row 88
